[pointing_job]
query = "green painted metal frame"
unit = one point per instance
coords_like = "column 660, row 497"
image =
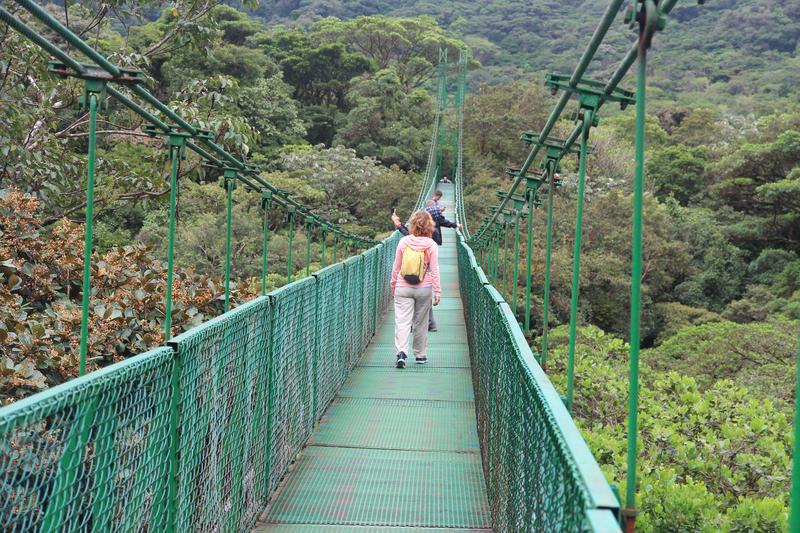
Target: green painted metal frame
column 517, row 505
column 576, row 255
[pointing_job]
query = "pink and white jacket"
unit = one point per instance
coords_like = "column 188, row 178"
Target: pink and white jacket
column 420, row 244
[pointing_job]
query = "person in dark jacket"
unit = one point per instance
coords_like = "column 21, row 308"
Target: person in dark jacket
column 437, row 213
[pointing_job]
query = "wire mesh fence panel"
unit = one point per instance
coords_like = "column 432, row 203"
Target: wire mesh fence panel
column 224, row 381
column 194, row 436
column 331, row 335
column 371, row 261
column 351, row 307
column 292, row 351
column 91, row 454
column 385, row 271
column 539, row 472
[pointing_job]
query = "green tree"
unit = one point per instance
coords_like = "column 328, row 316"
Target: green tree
column 678, row 171
column 496, row 115
column 409, row 45
column 759, row 181
column 385, row 122
column 345, row 188
column 723, row 349
column 271, row 112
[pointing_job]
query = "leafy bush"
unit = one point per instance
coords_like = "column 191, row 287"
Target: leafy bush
column 40, row 291
column 722, row 350
column 711, row 458
column 673, row 316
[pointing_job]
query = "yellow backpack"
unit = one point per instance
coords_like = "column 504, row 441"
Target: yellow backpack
column 412, row 266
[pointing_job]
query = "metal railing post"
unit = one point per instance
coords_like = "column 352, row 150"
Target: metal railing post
column 92, row 91
column 290, row 214
column 648, row 18
column 576, row 255
column 551, row 173
column 229, row 183
column 266, row 203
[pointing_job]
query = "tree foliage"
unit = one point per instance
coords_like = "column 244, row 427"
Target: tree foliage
column 712, row 458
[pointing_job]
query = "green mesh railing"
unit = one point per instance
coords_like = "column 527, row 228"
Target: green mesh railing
column 197, row 435
column 91, row 453
column 540, row 474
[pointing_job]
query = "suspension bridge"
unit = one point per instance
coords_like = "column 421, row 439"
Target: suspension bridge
column 285, row 414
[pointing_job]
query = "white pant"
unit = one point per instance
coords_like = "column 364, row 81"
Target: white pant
column 411, row 307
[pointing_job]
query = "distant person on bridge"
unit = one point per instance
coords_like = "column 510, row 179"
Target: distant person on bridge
column 436, row 208
column 415, row 282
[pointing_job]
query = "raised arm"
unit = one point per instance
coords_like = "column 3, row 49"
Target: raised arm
column 433, row 268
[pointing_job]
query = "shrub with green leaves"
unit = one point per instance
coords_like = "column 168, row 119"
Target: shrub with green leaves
column 711, row 458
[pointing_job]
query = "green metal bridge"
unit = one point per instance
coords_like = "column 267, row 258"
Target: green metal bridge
column 285, row 414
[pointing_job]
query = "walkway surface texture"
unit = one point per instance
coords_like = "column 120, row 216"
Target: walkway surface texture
column 397, row 450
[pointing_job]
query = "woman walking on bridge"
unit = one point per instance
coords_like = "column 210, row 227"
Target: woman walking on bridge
column 414, row 273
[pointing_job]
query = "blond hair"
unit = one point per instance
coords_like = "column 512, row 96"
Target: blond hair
column 421, row 224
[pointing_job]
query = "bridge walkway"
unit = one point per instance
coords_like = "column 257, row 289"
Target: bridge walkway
column 397, row 450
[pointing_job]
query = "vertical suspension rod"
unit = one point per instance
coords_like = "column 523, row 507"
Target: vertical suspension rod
column 515, row 280
column 290, row 215
column 547, row 261
column 174, row 156
column 648, row 16
column 530, row 194
column 229, row 181
column 576, row 256
column 87, row 240
column 266, row 202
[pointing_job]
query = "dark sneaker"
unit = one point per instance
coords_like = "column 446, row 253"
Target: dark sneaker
column 401, row 360
column 421, row 360
column 433, row 328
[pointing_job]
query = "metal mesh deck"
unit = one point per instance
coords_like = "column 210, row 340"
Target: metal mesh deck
column 397, row 450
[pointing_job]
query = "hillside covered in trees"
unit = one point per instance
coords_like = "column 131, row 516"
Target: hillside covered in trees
column 737, row 54
column 334, row 101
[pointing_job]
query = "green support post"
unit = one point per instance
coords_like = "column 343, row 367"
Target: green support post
column 530, row 195
column 454, row 148
column 290, row 214
column 93, row 89
column 794, row 501
column 266, row 203
column 229, row 183
column 515, row 280
column 176, row 146
column 324, row 237
column 495, row 255
column 335, row 247
column 588, row 116
column 309, row 231
column 94, row 95
column 174, row 441
column 490, row 255
column 375, row 294
column 552, row 166
column 648, row 19
column 177, row 142
column 505, row 257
